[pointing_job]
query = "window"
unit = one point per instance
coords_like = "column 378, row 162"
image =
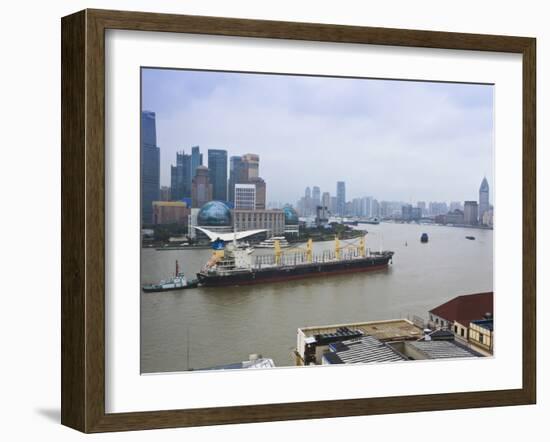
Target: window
column 461, row 332
column 456, row 329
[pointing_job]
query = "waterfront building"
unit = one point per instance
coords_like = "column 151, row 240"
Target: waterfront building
column 434, row 349
column 456, row 205
column 217, row 164
column 271, row 220
column 201, row 191
column 483, row 199
column 377, row 341
column 237, row 174
column 165, row 193
column 245, row 196
column 150, row 166
column 251, row 163
column 170, row 212
column 292, row 223
column 406, row 212
column 470, row 213
column 341, row 198
column 192, row 221
column 480, row 334
column 454, row 217
column 410, row 213
column 361, row 350
column 457, row 314
column 180, row 178
column 313, row 342
column 215, row 216
column 488, row 218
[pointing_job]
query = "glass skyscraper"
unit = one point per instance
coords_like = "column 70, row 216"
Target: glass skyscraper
column 150, row 166
column 217, row 164
column 237, row 175
column 196, row 160
column 181, row 177
column 341, row 198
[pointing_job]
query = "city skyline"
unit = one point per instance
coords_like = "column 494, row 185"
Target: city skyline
column 435, row 137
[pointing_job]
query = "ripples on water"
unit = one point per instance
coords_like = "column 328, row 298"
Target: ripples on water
column 226, row 324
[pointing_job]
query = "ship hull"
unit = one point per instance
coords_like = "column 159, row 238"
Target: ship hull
column 286, row 273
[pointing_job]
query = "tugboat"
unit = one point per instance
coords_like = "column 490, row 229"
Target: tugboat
column 424, row 238
column 179, row 282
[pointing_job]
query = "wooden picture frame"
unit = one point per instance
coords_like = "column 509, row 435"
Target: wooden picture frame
column 83, row 220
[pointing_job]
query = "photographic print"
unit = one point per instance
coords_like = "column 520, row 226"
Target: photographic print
column 296, row 220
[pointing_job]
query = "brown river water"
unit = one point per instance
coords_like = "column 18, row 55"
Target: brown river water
column 204, row 327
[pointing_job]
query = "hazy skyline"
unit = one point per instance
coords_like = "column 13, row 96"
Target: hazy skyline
column 393, row 140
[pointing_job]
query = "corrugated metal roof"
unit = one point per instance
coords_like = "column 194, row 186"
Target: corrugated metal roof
column 442, row 349
column 364, row 350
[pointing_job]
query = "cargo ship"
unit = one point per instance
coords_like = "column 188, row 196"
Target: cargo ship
column 232, row 266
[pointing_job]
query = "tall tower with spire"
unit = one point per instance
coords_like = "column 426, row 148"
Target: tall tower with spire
column 483, row 199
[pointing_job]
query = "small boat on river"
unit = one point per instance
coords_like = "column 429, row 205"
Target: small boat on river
column 178, row 282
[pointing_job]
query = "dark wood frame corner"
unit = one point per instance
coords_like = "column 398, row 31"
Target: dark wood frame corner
column 83, row 217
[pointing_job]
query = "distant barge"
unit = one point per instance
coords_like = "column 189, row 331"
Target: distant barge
column 233, row 267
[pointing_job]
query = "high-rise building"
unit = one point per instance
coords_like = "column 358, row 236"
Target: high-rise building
column 196, row 160
column 483, row 199
column 245, row 196
column 316, row 196
column 237, row 174
column 201, row 191
column 341, row 198
column 150, row 166
column 260, row 192
column 180, row 179
column 325, row 200
column 217, row 164
column 251, row 165
column 470, row 213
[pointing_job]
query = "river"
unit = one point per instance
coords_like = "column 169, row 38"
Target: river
column 204, row 327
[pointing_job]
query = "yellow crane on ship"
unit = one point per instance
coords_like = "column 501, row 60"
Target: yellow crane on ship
column 338, row 248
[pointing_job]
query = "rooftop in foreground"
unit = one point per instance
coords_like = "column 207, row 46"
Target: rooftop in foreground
column 389, row 330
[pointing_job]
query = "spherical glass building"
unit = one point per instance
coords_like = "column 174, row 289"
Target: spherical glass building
column 214, row 213
column 291, row 217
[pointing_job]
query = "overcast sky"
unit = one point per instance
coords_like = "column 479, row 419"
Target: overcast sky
column 394, row 140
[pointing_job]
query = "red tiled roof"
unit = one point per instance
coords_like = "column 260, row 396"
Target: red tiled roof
column 465, row 308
